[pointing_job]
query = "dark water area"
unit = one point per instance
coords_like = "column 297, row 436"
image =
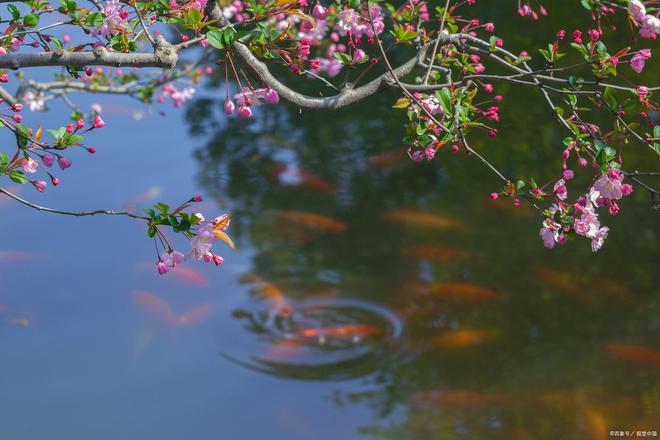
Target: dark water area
column 369, row 296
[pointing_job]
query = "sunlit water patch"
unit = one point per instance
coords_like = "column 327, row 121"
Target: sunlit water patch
column 320, row 339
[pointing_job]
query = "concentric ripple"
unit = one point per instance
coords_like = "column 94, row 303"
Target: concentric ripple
column 329, row 339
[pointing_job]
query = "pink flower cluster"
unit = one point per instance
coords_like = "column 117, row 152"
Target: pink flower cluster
column 247, row 98
column 178, row 96
column 206, row 236
column 115, row 17
column 349, row 20
column 604, row 192
column 650, row 24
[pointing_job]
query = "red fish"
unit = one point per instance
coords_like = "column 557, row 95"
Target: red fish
column 635, row 354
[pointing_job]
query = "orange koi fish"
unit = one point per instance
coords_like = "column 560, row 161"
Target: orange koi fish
column 459, row 339
column 421, row 219
column 266, row 289
column 461, row 290
column 435, row 253
column 344, row 331
column 313, row 221
column 635, row 354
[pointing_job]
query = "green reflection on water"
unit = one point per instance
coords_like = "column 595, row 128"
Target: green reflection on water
column 528, row 359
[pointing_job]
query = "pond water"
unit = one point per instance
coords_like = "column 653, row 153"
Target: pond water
column 369, row 296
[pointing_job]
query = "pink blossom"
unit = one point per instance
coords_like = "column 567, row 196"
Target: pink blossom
column 626, row 189
column 560, row 189
column 29, row 165
column 637, row 9
column 568, row 174
column 115, row 17
column 599, row 238
column 609, row 187
column 40, row 185
column 549, row 233
column 637, row 63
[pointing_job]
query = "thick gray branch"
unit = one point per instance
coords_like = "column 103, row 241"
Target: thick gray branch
column 165, row 55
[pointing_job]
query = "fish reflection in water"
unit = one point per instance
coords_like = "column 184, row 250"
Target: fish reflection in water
column 294, row 176
column 456, row 290
column 133, row 203
column 163, row 319
column 421, row 219
column 320, row 339
column 588, row 288
column 635, row 354
column 462, row 338
column 454, row 398
column 435, row 253
column 312, row 221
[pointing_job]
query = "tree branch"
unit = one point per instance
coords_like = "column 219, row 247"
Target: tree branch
column 75, row 214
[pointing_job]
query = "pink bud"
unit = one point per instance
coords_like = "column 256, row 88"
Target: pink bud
column 454, row 148
column 91, row 150
column 40, row 185
column 359, row 56
column 197, row 198
column 98, row 122
column 69, row 128
column 582, row 162
column 17, row 107
column 48, row 160
column 162, row 267
column 568, row 174
column 244, row 111
column 319, row 11
column 80, row 123
column 626, row 189
column 229, row 106
column 516, row 202
column 272, row 97
column 64, row 163
column 17, row 118
column 494, row 195
column 4, row 78
column 54, row 180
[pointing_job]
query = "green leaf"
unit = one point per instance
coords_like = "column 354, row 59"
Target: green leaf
column 151, row 231
column 215, row 39
column 17, row 176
